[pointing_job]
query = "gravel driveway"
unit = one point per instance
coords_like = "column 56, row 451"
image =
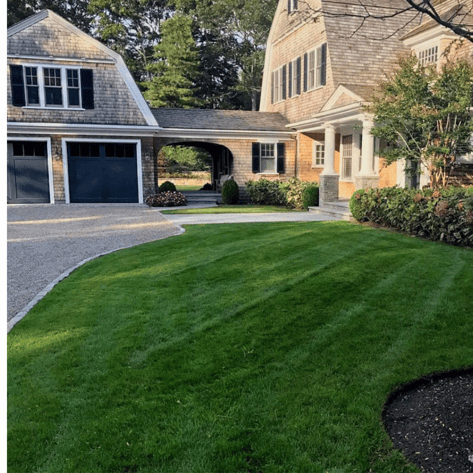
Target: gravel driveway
column 44, row 241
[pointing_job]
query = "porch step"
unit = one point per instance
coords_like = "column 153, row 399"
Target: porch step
column 338, row 209
column 202, row 197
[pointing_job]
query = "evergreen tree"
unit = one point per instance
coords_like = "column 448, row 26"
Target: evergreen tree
column 176, row 66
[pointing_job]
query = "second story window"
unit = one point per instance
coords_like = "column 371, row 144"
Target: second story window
column 52, row 86
column 278, row 84
column 315, row 67
column 41, row 86
column 428, row 56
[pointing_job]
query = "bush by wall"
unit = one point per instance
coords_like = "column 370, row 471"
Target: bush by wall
column 264, row 192
column 438, row 215
column 310, row 196
column 167, row 186
column 230, row 192
column 166, row 199
column 294, row 189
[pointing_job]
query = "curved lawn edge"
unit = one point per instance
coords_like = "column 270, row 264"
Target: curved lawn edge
column 23, row 312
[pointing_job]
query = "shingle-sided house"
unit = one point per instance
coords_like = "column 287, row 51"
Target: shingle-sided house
column 322, row 62
column 78, row 128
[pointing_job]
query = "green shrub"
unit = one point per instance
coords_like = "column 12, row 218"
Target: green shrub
column 438, row 215
column 167, row 186
column 265, row 192
column 310, row 196
column 294, row 188
column 207, row 187
column 230, row 192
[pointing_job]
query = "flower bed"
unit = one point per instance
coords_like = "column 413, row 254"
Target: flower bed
column 166, row 199
column 438, row 215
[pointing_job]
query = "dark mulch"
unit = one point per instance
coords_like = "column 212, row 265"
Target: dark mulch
column 431, row 421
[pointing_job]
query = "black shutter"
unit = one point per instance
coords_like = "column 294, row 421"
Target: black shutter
column 306, row 62
column 295, row 4
column 289, row 6
column 284, row 80
column 272, row 87
column 17, row 86
column 289, row 94
column 256, row 156
column 280, row 158
column 298, row 76
column 87, row 88
column 323, row 75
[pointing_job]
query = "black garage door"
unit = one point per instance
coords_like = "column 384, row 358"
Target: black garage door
column 102, row 172
column 28, row 178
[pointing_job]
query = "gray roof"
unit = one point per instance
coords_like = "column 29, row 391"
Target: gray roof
column 450, row 11
column 202, row 119
column 361, row 51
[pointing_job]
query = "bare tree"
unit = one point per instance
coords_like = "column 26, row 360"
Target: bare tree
column 456, row 15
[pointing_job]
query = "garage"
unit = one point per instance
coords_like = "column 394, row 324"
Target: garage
column 28, row 172
column 102, row 172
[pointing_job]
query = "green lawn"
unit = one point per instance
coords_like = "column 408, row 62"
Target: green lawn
column 182, row 188
column 233, row 209
column 235, row 348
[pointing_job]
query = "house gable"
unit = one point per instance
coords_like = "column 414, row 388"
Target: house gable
column 47, row 40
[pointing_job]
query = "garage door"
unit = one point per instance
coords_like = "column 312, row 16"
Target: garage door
column 28, row 177
column 102, row 172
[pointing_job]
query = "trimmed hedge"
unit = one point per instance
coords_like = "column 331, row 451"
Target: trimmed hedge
column 264, row 192
column 167, row 186
column 289, row 193
column 230, row 192
column 438, row 215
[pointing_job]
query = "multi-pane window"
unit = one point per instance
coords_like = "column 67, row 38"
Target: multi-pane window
column 278, row 79
column 73, row 90
column 316, row 67
column 32, row 87
column 318, row 159
column 292, row 5
column 296, row 77
column 52, row 86
column 268, row 158
column 347, row 154
column 428, row 56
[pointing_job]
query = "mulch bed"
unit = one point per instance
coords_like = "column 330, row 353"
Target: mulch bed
column 431, row 421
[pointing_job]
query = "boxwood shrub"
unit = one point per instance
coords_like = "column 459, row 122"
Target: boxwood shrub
column 167, row 186
column 230, row 192
column 310, row 196
column 438, row 215
column 265, row 192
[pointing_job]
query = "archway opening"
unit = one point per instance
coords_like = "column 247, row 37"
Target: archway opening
column 190, row 165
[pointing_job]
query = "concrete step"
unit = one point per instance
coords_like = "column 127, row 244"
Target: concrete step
column 202, row 197
column 338, row 209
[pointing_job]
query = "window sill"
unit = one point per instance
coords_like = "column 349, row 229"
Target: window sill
column 315, row 88
column 30, row 107
column 267, row 174
column 318, row 167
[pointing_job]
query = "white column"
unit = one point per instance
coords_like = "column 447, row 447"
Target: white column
column 367, row 149
column 329, row 158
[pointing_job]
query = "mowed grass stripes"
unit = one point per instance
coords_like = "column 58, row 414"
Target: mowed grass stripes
column 235, row 348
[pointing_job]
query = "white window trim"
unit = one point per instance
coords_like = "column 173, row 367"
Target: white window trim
column 314, row 50
column 316, row 143
column 278, row 99
column 425, row 46
column 293, row 9
column 67, row 194
column 294, row 77
column 352, row 178
column 49, row 158
column 275, row 144
column 42, row 99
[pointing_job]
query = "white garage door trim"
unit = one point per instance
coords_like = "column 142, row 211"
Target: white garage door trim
column 49, row 157
column 92, row 140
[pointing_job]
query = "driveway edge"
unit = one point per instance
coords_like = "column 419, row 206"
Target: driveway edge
column 11, row 323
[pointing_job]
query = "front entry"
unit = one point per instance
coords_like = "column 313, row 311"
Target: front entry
column 102, row 172
column 27, row 176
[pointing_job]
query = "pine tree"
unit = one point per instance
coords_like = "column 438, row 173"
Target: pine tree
column 176, row 67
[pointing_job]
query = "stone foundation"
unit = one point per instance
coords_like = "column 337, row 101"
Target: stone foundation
column 366, row 182
column 328, row 191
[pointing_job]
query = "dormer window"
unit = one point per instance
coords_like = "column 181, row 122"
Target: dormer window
column 44, row 86
column 292, row 6
column 428, row 56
